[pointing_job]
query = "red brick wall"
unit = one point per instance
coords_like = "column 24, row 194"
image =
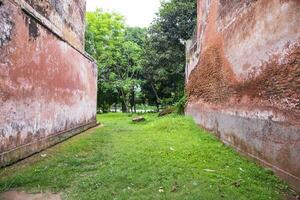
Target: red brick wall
column 67, row 15
column 47, row 87
column 246, row 85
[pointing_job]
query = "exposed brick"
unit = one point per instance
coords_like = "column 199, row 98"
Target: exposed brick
column 246, row 84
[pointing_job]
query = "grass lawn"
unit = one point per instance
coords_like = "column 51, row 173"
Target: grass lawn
column 162, row 158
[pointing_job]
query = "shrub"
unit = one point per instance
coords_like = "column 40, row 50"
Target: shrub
column 180, row 105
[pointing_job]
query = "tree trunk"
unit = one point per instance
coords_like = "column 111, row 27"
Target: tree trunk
column 124, row 102
column 133, row 103
column 157, row 106
column 124, row 109
column 157, row 97
column 134, row 107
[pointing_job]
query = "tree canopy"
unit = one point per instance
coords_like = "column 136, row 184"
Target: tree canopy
column 164, row 59
column 141, row 65
column 116, row 49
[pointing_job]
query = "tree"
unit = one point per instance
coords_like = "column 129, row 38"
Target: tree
column 164, row 53
column 136, row 35
column 135, row 62
column 118, row 57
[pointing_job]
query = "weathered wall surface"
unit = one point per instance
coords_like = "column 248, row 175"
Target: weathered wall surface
column 48, row 88
column 67, row 15
column 246, row 83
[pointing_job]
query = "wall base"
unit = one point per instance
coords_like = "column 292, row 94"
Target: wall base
column 273, row 144
column 22, row 152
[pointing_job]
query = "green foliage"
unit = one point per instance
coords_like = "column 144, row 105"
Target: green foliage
column 138, row 65
column 177, row 19
column 180, row 105
column 162, row 158
column 164, row 59
column 178, row 108
column 118, row 53
column 136, row 35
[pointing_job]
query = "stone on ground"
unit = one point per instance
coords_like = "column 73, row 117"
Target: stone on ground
column 138, row 119
column 166, row 111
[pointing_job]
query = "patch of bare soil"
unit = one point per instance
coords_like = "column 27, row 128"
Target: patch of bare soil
column 17, row 195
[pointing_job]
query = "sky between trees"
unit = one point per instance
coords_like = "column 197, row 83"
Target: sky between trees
column 137, row 12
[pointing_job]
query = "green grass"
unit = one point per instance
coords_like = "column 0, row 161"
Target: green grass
column 162, row 158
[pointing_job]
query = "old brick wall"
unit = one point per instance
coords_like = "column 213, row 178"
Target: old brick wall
column 246, row 83
column 48, row 86
column 67, row 15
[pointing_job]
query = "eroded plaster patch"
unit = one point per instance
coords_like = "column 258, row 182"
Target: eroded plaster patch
column 6, row 25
